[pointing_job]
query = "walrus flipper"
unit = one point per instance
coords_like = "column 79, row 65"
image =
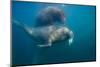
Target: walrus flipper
column 27, row 29
column 47, row 44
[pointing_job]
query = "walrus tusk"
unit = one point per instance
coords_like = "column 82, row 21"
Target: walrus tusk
column 71, row 37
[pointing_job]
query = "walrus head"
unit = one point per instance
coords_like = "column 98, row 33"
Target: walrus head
column 62, row 34
column 67, row 35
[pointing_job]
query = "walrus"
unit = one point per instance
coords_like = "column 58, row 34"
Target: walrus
column 46, row 35
column 49, row 27
column 49, row 16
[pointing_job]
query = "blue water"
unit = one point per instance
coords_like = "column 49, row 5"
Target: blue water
column 80, row 19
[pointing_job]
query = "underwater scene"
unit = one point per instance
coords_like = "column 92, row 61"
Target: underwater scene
column 52, row 33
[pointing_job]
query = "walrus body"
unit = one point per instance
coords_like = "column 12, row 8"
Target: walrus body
column 50, row 15
column 46, row 35
column 49, row 34
column 46, row 31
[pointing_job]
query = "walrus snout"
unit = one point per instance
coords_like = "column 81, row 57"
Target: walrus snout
column 67, row 34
